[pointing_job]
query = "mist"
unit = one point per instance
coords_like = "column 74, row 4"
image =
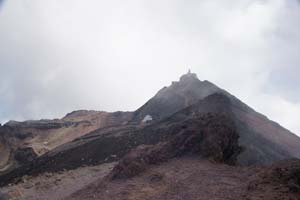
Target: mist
column 57, row 56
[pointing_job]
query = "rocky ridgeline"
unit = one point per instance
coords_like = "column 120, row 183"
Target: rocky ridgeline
column 211, row 136
column 21, row 142
column 40, row 124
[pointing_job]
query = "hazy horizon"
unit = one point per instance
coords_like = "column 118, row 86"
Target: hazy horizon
column 57, row 56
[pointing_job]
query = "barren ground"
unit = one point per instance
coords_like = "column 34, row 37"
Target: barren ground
column 184, row 178
column 49, row 186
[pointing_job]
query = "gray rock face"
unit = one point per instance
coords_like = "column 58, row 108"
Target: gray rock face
column 189, row 90
column 25, row 155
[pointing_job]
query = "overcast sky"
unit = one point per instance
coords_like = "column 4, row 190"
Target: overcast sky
column 61, row 55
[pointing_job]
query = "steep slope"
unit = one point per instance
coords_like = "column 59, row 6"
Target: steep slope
column 265, row 141
column 20, row 142
column 189, row 90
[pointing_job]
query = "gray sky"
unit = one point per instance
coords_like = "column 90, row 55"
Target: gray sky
column 61, row 55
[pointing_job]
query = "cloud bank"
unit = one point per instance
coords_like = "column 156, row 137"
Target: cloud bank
column 60, row 55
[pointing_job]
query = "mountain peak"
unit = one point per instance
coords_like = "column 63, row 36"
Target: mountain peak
column 188, row 76
column 180, row 94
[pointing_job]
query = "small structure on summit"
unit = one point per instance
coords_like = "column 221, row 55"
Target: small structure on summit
column 188, row 75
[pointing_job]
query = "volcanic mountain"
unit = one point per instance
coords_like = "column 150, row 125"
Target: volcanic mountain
column 191, row 123
column 264, row 141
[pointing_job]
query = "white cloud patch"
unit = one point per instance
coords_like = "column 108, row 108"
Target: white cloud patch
column 61, row 55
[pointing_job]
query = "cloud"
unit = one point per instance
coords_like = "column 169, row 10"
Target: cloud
column 60, row 55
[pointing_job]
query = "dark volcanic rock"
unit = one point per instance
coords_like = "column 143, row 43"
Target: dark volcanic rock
column 188, row 91
column 280, row 181
column 45, row 135
column 264, row 140
column 24, row 155
column 40, row 124
column 288, row 173
column 212, row 136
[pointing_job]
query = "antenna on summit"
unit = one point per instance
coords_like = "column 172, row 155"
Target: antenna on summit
column 189, row 71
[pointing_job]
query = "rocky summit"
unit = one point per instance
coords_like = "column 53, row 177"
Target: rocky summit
column 192, row 140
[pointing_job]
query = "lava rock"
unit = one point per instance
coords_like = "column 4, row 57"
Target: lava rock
column 212, row 136
column 25, row 154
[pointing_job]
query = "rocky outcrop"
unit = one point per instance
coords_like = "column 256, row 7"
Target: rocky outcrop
column 279, row 181
column 25, row 155
column 211, row 136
